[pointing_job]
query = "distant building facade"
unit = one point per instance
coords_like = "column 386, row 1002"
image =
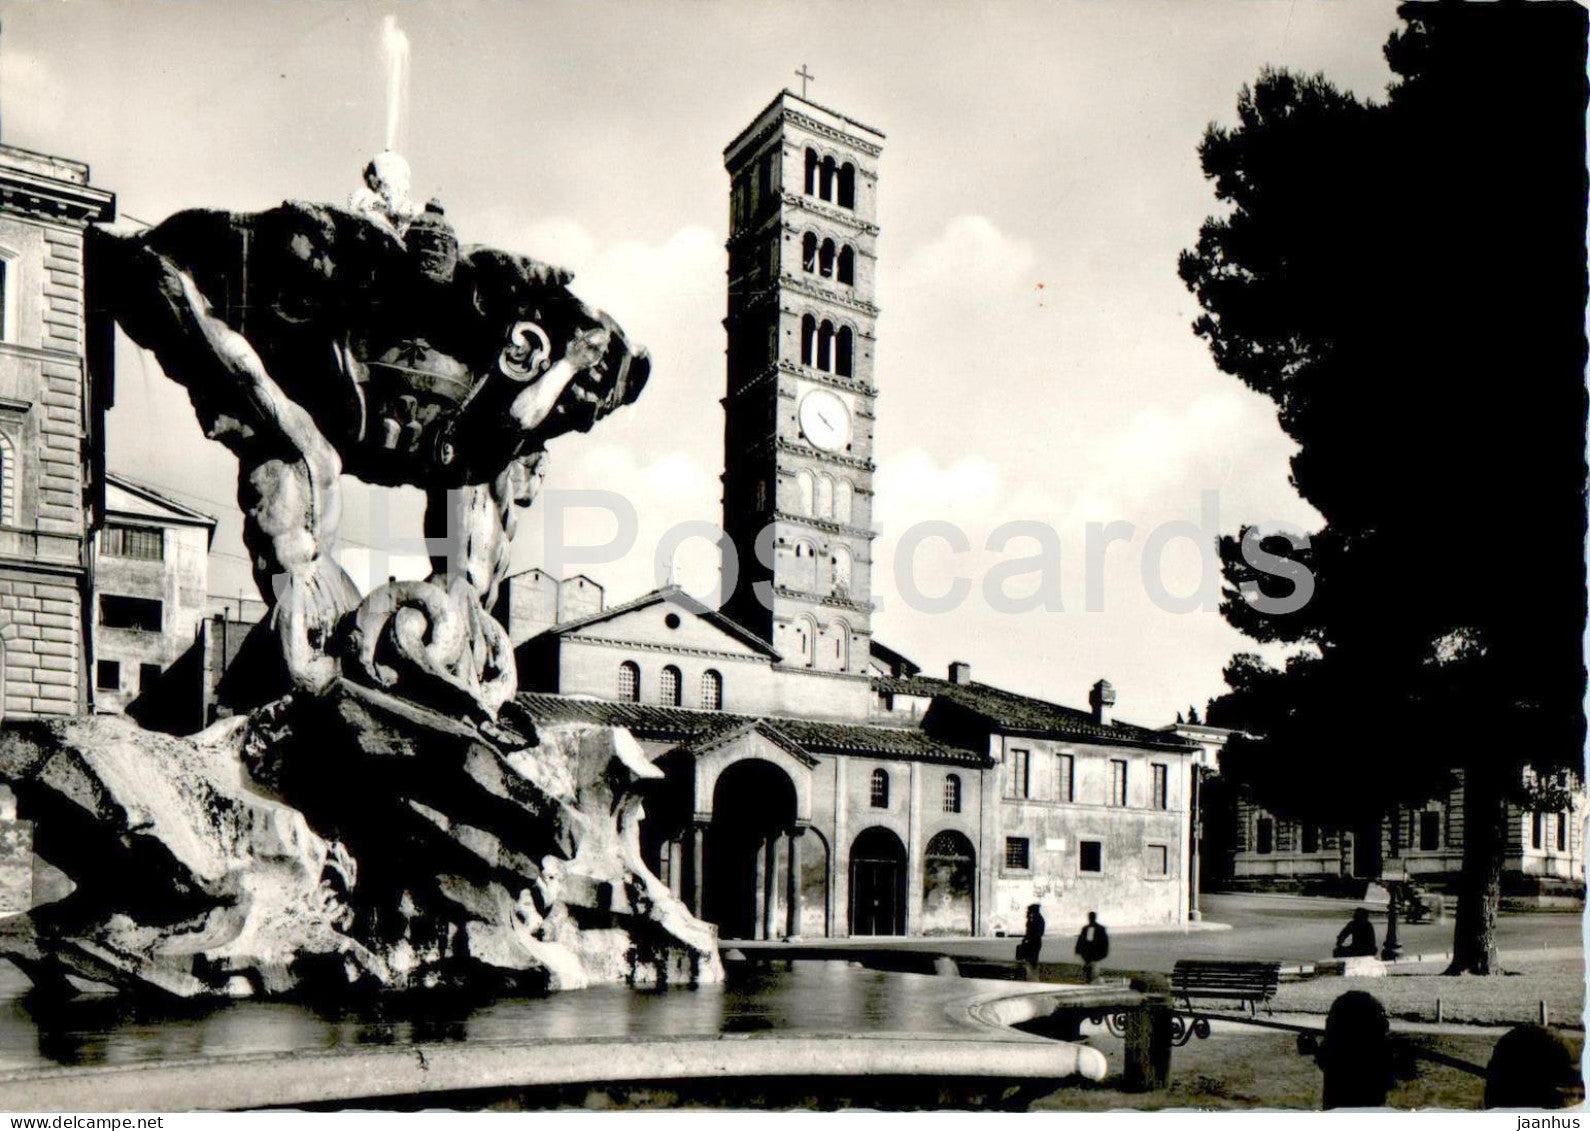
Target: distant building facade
column 1245, row 845
column 151, row 594
column 54, row 386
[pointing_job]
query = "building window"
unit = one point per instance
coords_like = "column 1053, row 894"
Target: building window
column 808, row 339
column 1158, row 860
column 811, row 172
column 1118, row 782
column 827, row 255
column 1090, row 856
column 139, row 613
column 1018, row 776
column 847, row 186
column 148, row 676
column 809, row 253
column 880, row 789
column 9, row 481
column 1429, row 830
column 1537, row 829
column 1017, row 856
column 1065, row 786
column 132, row 543
column 1264, row 836
column 629, row 682
column 844, row 497
column 847, row 265
column 670, row 686
column 711, row 691
column 1310, row 838
column 844, row 352
column 1562, row 832
column 107, row 675
column 827, row 172
column 1161, row 786
column 952, row 793
column 5, row 305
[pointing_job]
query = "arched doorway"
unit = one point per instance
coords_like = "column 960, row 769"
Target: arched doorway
column 753, row 810
column 949, row 884
column 877, row 883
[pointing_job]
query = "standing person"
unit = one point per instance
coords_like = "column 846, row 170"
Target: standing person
column 1093, row 946
column 1031, row 941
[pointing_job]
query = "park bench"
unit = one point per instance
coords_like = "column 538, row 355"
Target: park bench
column 1195, row 980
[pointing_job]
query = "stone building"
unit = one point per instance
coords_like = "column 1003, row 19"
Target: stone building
column 151, row 580
column 1545, row 850
column 1245, row 845
column 54, row 390
column 815, row 782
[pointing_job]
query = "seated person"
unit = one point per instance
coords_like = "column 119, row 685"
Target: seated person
column 1357, row 939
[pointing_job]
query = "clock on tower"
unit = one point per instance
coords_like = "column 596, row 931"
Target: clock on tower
column 799, row 407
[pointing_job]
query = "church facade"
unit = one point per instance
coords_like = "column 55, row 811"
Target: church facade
column 815, row 782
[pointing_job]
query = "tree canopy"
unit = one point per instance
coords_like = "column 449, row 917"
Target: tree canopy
column 1405, row 280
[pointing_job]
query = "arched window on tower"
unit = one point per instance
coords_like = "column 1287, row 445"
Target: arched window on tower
column 825, row 259
column 844, row 495
column 952, row 793
column 828, row 174
column 809, row 252
column 711, row 691
column 847, row 186
column 670, row 686
column 629, row 682
column 847, row 265
column 808, row 339
column 839, row 567
column 806, row 639
column 823, row 506
column 880, row 789
column 841, row 646
column 804, row 491
column 811, row 172
column 844, row 351
column 825, row 346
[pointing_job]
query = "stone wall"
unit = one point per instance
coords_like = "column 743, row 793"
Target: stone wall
column 1129, row 888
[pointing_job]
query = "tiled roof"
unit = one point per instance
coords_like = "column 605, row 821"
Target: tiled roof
column 1021, row 714
column 680, row 724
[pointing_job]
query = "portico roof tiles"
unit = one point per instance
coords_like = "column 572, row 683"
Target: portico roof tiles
column 682, row 724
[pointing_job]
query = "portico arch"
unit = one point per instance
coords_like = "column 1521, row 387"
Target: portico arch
column 949, row 885
column 877, row 883
column 753, row 809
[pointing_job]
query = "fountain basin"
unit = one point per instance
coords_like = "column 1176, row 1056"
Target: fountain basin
column 826, row 1021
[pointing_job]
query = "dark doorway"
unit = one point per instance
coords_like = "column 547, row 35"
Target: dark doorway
column 1367, row 863
column 753, row 809
column 877, row 884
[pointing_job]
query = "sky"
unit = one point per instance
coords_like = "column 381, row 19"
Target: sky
column 1035, row 361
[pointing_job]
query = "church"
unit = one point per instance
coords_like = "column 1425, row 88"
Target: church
column 818, row 784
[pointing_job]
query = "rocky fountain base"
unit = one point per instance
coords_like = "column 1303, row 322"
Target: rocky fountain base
column 348, row 840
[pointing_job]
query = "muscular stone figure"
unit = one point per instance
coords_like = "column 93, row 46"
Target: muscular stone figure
column 288, row 474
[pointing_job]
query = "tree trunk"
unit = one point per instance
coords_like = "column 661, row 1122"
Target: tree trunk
column 1485, row 816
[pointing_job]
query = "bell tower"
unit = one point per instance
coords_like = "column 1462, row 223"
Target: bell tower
column 800, row 399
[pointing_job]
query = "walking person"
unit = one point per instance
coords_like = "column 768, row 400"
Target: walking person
column 1093, row 946
column 1031, row 944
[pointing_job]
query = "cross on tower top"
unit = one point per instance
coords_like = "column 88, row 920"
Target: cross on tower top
column 805, row 76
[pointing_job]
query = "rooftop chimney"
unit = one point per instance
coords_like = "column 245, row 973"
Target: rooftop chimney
column 960, row 672
column 1102, row 700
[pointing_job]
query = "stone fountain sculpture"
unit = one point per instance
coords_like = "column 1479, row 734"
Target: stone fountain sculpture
column 378, row 812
